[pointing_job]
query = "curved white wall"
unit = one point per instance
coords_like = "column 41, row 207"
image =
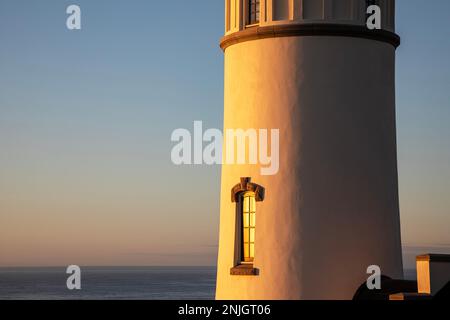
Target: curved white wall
column 332, row 210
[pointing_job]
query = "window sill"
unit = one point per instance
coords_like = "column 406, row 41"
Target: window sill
column 253, row 25
column 244, row 270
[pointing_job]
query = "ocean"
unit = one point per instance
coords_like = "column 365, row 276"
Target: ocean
column 121, row 283
column 104, row 283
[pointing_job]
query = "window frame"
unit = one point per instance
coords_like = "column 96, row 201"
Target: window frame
column 253, row 12
column 243, row 268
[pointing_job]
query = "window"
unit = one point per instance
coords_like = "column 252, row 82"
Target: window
column 248, row 203
column 253, row 11
column 245, row 194
column 228, row 16
column 313, row 9
column 281, row 10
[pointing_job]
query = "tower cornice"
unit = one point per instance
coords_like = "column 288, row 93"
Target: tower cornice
column 310, row 29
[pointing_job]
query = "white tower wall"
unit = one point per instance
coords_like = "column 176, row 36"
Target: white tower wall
column 332, row 209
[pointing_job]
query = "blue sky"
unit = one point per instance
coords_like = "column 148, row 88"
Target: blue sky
column 86, row 118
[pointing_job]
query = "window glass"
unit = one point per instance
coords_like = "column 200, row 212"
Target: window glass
column 253, row 11
column 248, row 226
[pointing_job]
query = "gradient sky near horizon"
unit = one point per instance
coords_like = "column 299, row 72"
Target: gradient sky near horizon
column 86, row 118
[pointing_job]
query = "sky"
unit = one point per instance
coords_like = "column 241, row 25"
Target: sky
column 86, row 118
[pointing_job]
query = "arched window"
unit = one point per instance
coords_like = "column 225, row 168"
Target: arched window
column 245, row 194
column 248, row 203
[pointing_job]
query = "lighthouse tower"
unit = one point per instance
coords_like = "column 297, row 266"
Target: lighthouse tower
column 316, row 72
